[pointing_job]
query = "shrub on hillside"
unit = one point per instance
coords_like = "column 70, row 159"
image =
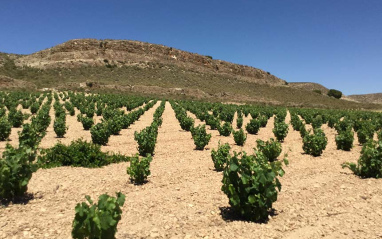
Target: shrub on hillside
column 335, row 93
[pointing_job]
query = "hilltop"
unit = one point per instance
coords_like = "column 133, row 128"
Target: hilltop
column 138, row 67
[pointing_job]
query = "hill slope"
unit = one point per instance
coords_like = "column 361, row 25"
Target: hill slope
column 156, row 69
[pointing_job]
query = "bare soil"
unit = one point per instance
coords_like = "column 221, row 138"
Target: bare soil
column 183, row 198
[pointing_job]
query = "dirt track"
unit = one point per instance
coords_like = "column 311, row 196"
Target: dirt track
column 183, row 199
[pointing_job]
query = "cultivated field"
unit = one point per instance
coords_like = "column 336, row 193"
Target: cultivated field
column 183, row 196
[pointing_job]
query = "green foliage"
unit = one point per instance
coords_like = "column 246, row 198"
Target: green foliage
column 370, row 163
column 379, row 135
column 240, row 137
column 365, row 134
column 335, row 93
column 59, row 127
column 200, row 136
column 344, row 140
column 30, row 136
column 87, row 122
column 186, row 123
column 35, row 107
column 314, row 144
column 253, row 126
column 78, row 154
column 100, row 133
column 280, row 130
column 5, row 128
column 221, row 156
column 114, row 125
column 139, row 170
column 98, row 220
column 317, row 122
column 270, row 149
column 225, row 129
column 263, row 121
column 146, row 140
column 16, row 118
column 318, row 92
column 16, row 168
column 251, row 184
column 239, row 122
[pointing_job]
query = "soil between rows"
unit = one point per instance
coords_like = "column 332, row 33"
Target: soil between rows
column 183, row 198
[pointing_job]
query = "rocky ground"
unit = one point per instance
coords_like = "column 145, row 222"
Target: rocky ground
column 183, row 197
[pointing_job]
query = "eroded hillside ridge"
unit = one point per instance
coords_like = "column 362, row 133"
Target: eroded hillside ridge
column 117, row 53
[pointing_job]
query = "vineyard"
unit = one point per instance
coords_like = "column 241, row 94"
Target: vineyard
column 106, row 165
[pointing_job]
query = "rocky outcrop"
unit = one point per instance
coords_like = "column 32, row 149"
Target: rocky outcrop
column 118, row 53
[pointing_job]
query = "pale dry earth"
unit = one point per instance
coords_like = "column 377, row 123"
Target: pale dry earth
column 183, row 198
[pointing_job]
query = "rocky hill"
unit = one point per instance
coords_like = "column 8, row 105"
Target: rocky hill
column 144, row 68
column 367, row 98
column 118, row 53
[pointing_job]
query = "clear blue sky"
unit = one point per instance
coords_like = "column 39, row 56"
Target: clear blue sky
column 337, row 43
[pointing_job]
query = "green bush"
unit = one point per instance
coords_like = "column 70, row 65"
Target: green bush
column 317, row 122
column 240, row 137
column 30, row 136
column 364, row 135
column 251, row 184
column 87, row 122
column 139, row 170
column 200, row 136
column 146, row 140
column 263, row 121
column 78, row 154
column 186, row 123
column 379, row 134
column 314, row 144
column 271, row 149
column 225, row 129
column 344, row 140
column 100, row 133
column 221, row 156
column 16, row 168
column 335, row 93
column 59, row 127
column 239, row 122
column 253, row 126
column 114, row 125
column 98, row 220
column 5, row 129
column 16, row 118
column 280, row 130
column 35, row 107
column 212, row 122
column 370, row 163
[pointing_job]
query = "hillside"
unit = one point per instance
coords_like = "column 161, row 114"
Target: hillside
column 138, row 67
column 368, row 98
